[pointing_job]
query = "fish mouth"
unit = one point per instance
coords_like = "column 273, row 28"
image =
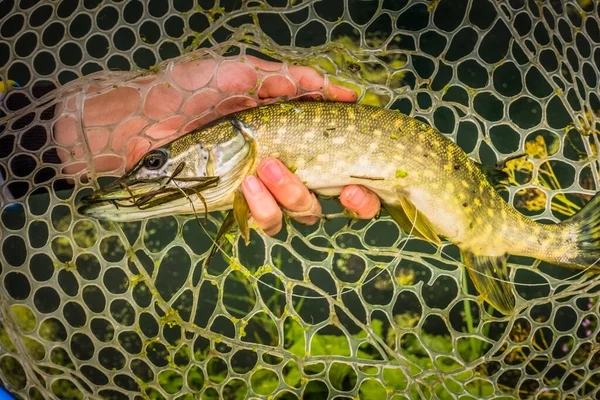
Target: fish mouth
column 127, row 199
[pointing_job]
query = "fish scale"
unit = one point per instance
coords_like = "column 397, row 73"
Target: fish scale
column 437, row 175
column 425, row 181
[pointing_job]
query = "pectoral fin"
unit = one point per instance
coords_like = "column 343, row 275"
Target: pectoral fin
column 241, row 214
column 482, row 270
column 226, row 226
column 237, row 216
column 411, row 220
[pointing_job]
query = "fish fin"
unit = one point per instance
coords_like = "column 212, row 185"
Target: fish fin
column 482, row 270
column 226, row 226
column 411, row 220
column 495, row 176
column 241, row 214
column 398, row 215
column 587, row 222
column 501, row 164
column 237, row 216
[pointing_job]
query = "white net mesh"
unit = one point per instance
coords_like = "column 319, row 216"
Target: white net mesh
column 100, row 310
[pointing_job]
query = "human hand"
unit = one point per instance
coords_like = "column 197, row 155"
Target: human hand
column 277, row 186
column 140, row 114
column 125, row 121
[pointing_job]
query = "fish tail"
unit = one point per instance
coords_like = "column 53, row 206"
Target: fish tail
column 587, row 222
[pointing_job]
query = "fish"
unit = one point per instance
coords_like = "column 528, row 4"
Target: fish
column 425, row 181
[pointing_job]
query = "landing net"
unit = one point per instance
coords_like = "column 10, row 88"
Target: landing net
column 336, row 310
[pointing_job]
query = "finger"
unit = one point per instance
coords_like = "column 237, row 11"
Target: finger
column 201, row 102
column 193, row 75
column 307, row 77
column 361, row 200
column 264, row 64
column 276, row 86
column 161, row 101
column 288, row 190
column 235, row 103
column 236, row 77
column 165, row 128
column 339, row 93
column 111, row 107
column 263, row 207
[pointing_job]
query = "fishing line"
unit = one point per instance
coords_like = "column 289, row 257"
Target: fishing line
column 559, row 281
column 229, row 259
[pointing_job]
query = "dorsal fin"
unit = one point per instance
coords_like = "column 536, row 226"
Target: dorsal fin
column 495, row 176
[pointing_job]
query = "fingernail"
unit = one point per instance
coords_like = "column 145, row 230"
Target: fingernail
column 356, row 196
column 252, row 185
column 272, row 172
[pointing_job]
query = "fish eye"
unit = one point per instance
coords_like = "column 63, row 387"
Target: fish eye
column 155, row 159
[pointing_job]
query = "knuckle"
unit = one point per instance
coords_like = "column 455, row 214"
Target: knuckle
column 270, row 220
column 298, row 199
column 309, row 220
column 273, row 227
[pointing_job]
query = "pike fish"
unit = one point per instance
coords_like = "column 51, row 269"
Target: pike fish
column 428, row 185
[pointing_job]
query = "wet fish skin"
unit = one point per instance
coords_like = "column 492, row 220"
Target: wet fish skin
column 331, row 145
column 426, row 182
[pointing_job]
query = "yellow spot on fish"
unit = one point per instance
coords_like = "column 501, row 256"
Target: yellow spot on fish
column 479, row 220
column 377, row 132
column 400, row 173
column 293, row 168
column 477, row 202
column 448, row 167
column 351, row 114
column 490, row 212
column 465, row 184
column 450, row 187
column 393, row 136
column 286, row 106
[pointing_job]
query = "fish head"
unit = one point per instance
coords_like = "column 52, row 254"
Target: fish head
column 198, row 172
